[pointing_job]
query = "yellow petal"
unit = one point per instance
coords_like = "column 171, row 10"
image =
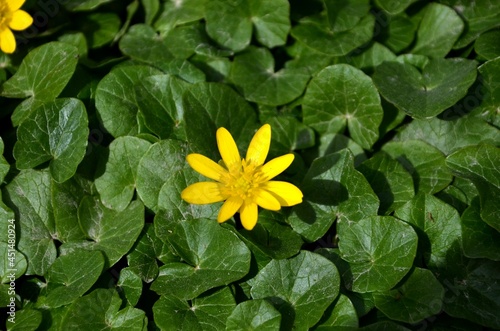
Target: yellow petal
column 276, row 166
column 205, row 166
column 266, row 200
column 202, row 193
column 248, row 215
column 7, row 41
column 259, row 146
column 14, row 4
column 229, row 208
column 287, row 194
column 227, row 148
column 20, row 20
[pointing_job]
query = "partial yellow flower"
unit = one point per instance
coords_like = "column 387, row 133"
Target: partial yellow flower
column 12, row 18
column 244, row 184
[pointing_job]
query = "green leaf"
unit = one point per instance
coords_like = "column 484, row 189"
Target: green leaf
column 419, row 297
column 389, row 180
column 142, row 258
column 253, row 72
column 99, row 310
column 372, row 57
column 230, row 22
column 330, row 143
column 4, row 165
column 340, row 314
column 117, row 183
column 326, row 41
column 481, row 164
column 472, row 288
column 393, row 7
column 438, row 227
column 83, row 5
column 272, row 236
column 450, row 135
column 131, row 286
column 301, row 288
column 151, row 174
column 208, row 312
column 115, row 103
column 26, row 319
column 178, row 13
column 379, row 249
column 289, row 134
column 342, row 95
column 487, row 45
column 107, row 230
column 490, row 94
column 214, row 256
column 343, row 15
column 480, row 16
column 205, row 110
column 439, row 29
column 66, row 198
column 332, row 187
column 425, row 94
column 13, row 264
column 56, row 131
column 399, row 32
column 159, row 99
column 28, row 194
column 42, row 75
column 479, row 240
column 254, row 315
column 71, row 275
column 425, row 163
column 183, row 40
column 100, row 28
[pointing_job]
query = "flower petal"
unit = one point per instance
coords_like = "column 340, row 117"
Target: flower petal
column 266, row 200
column 7, row 41
column 205, row 166
column 202, row 193
column 227, row 148
column 276, row 166
column 287, row 194
column 259, row 146
column 229, row 208
column 248, row 215
column 14, row 4
column 20, row 20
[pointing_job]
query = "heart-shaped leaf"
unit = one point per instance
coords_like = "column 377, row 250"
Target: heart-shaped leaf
column 230, row 22
column 117, row 183
column 56, row 131
column 253, row 72
column 214, row 256
column 425, row 94
column 254, row 315
column 71, row 275
column 342, row 95
column 380, row 251
column 301, row 288
column 207, row 312
column 440, row 232
column 419, row 297
column 331, row 187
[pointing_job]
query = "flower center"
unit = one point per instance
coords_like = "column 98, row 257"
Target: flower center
column 242, row 180
column 5, row 15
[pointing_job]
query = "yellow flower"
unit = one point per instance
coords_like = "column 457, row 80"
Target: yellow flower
column 245, row 183
column 12, row 18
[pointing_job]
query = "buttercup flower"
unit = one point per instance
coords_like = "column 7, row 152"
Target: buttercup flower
column 245, row 183
column 12, row 18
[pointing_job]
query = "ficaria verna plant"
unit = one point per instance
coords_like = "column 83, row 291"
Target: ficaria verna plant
column 249, row 165
column 245, row 183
